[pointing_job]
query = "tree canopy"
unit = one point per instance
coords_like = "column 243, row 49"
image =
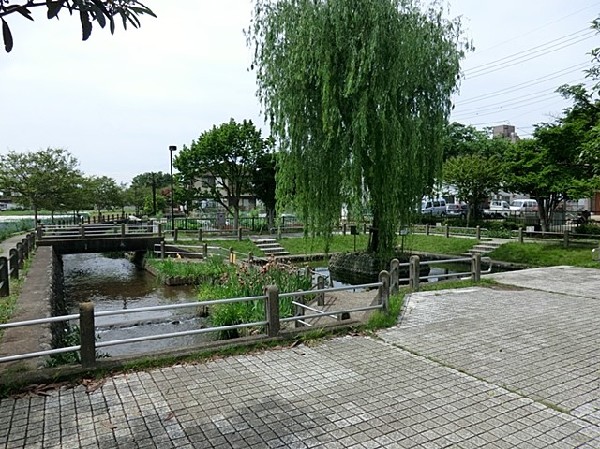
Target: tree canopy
column 357, row 93
column 223, row 160
column 41, row 178
column 102, row 12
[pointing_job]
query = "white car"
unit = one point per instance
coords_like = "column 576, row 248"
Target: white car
column 519, row 206
column 434, row 207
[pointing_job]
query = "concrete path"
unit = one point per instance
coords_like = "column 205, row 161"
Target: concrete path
column 475, row 368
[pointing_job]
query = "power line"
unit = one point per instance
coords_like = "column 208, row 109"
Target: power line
column 516, row 100
column 526, row 84
column 560, row 19
column 484, row 113
column 494, row 67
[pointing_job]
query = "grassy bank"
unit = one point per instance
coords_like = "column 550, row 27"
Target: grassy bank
column 546, row 254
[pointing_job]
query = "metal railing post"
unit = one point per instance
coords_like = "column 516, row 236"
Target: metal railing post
column 205, row 250
column 478, row 232
column 344, row 229
column 384, row 290
column 160, row 230
column 162, row 249
column 123, row 229
column 87, row 327
column 39, row 232
column 394, row 276
column 175, row 234
column 272, row 310
column 321, row 295
column 414, row 273
column 476, row 267
column 82, row 231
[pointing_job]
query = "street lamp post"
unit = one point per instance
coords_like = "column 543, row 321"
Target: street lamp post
column 172, row 149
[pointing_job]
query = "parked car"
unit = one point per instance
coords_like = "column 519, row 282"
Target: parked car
column 434, row 207
column 519, row 206
column 497, row 209
column 457, row 210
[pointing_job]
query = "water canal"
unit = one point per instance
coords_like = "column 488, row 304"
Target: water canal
column 117, row 284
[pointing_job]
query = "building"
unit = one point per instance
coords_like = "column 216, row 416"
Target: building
column 506, row 132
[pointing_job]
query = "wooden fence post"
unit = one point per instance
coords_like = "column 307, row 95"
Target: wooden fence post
column 13, row 264
column 239, row 234
column 321, row 295
column 414, row 273
column 162, row 249
column 20, row 253
column 520, row 235
column 476, row 267
column 394, row 276
column 205, row 251
column 427, row 229
column 199, row 234
column 175, row 234
column 272, row 310
column 478, row 232
column 566, row 238
column 39, row 232
column 4, row 287
column 384, row 290
column 447, row 231
column 122, row 229
column 87, row 327
column 344, row 229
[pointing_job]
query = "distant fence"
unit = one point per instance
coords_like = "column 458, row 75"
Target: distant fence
column 10, row 266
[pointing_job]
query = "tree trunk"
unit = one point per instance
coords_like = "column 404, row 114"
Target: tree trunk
column 373, row 245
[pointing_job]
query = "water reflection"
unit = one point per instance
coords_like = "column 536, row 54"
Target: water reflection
column 117, row 284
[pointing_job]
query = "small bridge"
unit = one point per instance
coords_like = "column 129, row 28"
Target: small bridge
column 99, row 238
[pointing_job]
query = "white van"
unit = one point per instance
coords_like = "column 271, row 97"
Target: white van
column 434, row 207
column 519, row 206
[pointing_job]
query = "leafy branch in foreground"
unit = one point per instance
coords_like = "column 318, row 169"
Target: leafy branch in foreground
column 100, row 11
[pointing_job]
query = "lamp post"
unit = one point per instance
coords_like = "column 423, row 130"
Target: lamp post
column 172, row 149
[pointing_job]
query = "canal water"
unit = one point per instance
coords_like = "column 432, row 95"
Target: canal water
column 117, row 284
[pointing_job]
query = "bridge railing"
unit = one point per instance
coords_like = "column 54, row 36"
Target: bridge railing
column 271, row 324
column 96, row 230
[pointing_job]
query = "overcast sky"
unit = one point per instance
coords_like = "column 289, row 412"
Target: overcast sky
column 118, row 102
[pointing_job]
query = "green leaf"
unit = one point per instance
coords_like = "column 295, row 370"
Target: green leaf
column 54, row 8
column 8, row 40
column 25, row 12
column 86, row 25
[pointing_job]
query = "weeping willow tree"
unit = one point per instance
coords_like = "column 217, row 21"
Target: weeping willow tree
column 358, row 93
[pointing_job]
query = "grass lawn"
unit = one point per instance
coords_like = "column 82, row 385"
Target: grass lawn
column 546, row 254
column 345, row 243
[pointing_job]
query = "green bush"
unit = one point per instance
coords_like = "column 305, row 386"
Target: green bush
column 588, row 228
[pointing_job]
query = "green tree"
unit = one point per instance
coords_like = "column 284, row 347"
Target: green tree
column 42, row 178
column 107, row 193
column 89, row 11
column 153, row 180
column 358, row 93
column 547, row 168
column 264, row 184
column 223, row 161
column 475, row 178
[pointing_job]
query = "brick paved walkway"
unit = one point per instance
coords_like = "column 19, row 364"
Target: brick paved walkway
column 474, row 368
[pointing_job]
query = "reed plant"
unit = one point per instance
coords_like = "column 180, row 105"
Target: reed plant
column 250, row 281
